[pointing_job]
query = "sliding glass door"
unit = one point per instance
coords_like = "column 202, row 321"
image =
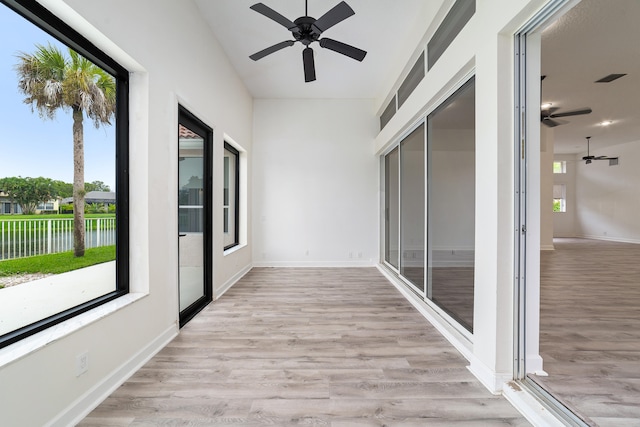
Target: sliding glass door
column 451, row 145
column 430, row 206
column 194, row 214
column 412, row 209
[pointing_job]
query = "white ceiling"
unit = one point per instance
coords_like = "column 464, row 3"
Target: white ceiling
column 594, row 39
column 379, row 27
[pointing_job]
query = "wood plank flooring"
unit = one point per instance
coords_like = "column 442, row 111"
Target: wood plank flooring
column 590, row 328
column 313, row 347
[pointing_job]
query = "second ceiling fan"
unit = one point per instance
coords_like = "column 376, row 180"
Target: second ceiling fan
column 589, row 158
column 307, row 30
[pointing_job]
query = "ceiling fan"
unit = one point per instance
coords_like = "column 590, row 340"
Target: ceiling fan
column 307, row 30
column 588, row 158
column 548, row 115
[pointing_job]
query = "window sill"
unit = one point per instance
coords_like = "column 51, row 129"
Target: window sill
column 37, row 341
column 233, row 249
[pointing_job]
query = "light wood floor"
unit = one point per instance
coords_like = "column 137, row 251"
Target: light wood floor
column 314, row 347
column 590, row 328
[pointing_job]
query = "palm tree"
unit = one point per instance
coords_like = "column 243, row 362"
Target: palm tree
column 50, row 81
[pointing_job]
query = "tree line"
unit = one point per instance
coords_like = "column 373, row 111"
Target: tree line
column 30, row 192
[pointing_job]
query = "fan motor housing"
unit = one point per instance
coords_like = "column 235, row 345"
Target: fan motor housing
column 307, row 35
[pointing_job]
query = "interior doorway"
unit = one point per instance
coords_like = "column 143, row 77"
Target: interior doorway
column 194, row 214
column 581, row 71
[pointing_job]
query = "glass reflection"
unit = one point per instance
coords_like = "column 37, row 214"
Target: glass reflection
column 451, row 141
column 392, row 208
column 190, row 216
column 412, row 207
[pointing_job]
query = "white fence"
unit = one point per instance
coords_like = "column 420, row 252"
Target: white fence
column 29, row 237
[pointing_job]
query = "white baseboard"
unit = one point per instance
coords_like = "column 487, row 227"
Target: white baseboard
column 82, row 406
column 534, row 364
column 608, row 238
column 317, row 264
column 232, row 281
column 547, row 248
column 493, row 381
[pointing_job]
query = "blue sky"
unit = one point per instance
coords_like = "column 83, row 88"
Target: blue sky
column 29, row 145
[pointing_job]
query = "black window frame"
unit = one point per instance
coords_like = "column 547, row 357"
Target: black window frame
column 54, row 26
column 236, row 213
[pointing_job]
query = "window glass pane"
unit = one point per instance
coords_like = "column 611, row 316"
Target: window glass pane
column 388, row 113
column 412, row 184
column 190, row 181
column 453, row 23
column 392, row 207
column 58, row 178
column 559, row 198
column 191, row 215
column 412, row 80
column 560, row 167
column 231, row 196
column 451, row 142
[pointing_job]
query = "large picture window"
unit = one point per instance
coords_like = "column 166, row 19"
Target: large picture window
column 63, row 182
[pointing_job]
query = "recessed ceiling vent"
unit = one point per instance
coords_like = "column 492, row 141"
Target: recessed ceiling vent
column 610, row 78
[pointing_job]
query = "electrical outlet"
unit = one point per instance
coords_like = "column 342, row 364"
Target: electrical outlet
column 82, row 363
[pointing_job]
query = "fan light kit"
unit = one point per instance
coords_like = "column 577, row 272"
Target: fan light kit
column 307, row 30
column 606, row 123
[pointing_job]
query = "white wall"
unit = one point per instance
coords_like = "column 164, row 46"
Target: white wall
column 608, row 197
column 176, row 59
column 315, row 180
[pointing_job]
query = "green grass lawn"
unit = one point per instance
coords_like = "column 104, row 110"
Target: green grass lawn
column 57, row 263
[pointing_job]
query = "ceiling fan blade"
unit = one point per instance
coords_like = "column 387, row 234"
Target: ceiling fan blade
column 339, row 13
column 272, row 49
column 309, row 65
column 552, row 123
column 272, row 14
column 343, row 48
column 572, row 113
